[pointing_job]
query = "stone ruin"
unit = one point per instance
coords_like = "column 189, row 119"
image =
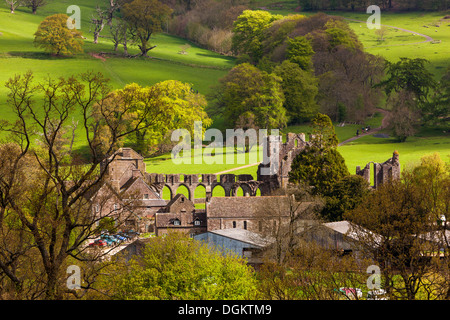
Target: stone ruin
column 287, row 152
column 128, row 164
column 382, row 172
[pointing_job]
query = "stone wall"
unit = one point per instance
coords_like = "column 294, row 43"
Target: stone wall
column 382, row 172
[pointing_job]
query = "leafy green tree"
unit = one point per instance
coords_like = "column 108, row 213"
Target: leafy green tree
column 433, row 177
column 319, row 165
column 275, row 35
column 144, row 18
column 157, row 110
column 437, row 110
column 248, row 31
column 409, row 75
column 55, row 37
column 323, row 133
column 300, row 91
column 177, row 267
column 319, row 169
column 247, row 89
column 340, row 33
column 300, row 51
column 345, row 195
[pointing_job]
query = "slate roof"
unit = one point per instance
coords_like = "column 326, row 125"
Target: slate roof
column 249, row 206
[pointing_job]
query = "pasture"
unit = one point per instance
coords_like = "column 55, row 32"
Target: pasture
column 202, row 68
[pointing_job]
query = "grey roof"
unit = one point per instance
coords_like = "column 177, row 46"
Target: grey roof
column 244, row 236
column 338, row 226
column 345, row 227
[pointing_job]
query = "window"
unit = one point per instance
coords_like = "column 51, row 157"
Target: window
column 182, row 199
column 97, row 208
column 260, row 226
column 245, row 225
column 116, row 207
column 145, row 196
column 197, row 222
column 176, row 222
column 234, row 224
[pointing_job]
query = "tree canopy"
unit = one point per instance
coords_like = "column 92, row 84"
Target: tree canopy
column 300, row 91
column 144, row 18
column 156, row 110
column 55, row 37
column 178, row 267
column 319, row 165
column 248, row 90
column 324, row 45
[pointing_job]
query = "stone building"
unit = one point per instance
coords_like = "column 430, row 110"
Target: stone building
column 282, row 155
column 256, row 214
column 125, row 194
column 180, row 215
column 382, row 172
column 133, row 194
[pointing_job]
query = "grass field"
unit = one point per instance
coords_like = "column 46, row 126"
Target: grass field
column 203, row 68
column 397, row 43
column 402, row 44
column 200, row 67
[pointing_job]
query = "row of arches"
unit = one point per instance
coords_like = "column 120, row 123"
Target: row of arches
column 200, row 192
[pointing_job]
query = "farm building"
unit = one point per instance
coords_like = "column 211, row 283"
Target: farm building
column 241, row 242
column 339, row 236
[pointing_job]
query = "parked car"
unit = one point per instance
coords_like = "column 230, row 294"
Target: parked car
column 109, row 239
column 131, row 233
column 119, row 237
column 98, row 242
column 124, row 235
column 351, row 293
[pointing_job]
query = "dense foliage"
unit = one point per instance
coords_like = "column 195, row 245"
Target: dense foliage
column 55, row 37
column 177, row 267
column 326, row 49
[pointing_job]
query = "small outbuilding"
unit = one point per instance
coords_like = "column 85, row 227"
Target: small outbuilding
column 241, row 242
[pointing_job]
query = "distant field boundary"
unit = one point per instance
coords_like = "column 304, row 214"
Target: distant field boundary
column 103, row 55
column 427, row 38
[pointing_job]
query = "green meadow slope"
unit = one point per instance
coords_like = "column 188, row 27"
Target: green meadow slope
column 203, row 68
column 200, row 67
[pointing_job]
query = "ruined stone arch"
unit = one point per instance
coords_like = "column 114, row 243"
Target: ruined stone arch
column 218, row 193
column 237, row 191
column 202, row 196
column 181, row 186
column 246, row 189
column 167, row 189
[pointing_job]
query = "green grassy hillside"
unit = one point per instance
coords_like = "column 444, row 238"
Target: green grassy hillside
column 203, row 68
column 200, row 67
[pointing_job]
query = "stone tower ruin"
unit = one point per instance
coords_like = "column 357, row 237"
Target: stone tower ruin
column 295, row 143
column 383, row 172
